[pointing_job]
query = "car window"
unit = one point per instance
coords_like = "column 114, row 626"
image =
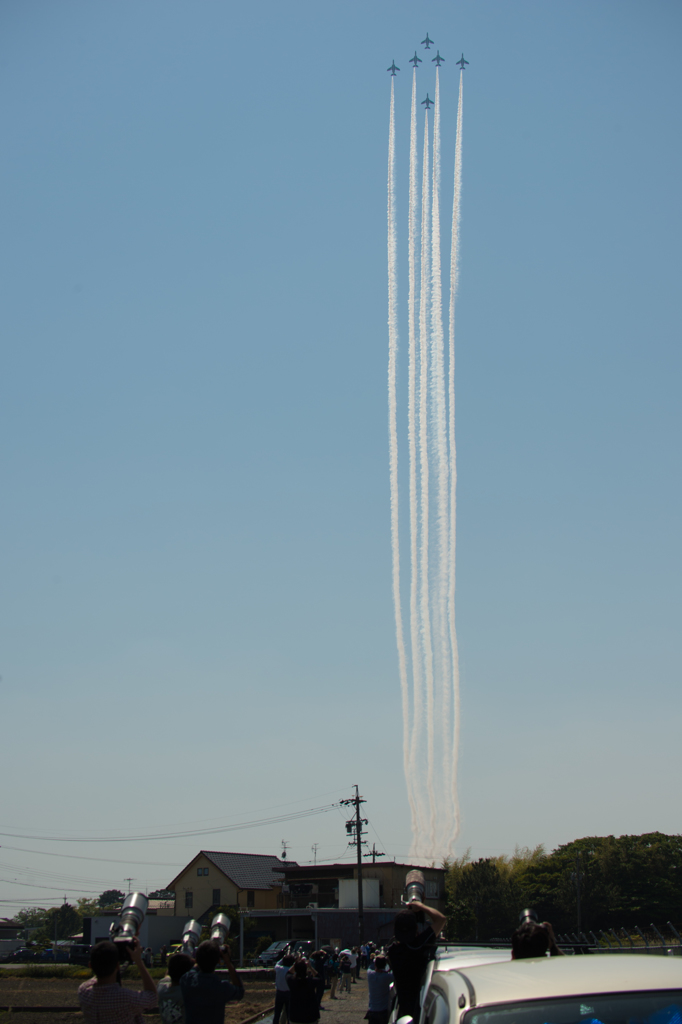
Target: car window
column 614, row 1008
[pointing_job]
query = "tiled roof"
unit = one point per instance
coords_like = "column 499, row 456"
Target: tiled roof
column 249, row 870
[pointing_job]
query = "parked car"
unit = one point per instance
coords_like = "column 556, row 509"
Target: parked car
column 79, row 954
column 304, row 946
column 52, row 956
column 563, row 989
column 23, row 955
column 270, row 956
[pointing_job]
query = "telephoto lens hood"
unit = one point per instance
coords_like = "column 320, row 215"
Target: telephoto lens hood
column 191, row 936
column 528, row 915
column 220, row 927
column 127, row 925
column 415, row 887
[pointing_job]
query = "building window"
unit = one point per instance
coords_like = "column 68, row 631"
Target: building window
column 432, row 890
column 202, row 871
column 250, row 898
column 189, row 900
column 216, row 897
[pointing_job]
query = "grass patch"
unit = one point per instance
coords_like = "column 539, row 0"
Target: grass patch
column 47, row 971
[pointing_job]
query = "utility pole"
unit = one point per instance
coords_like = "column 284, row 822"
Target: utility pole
column 354, row 828
column 285, row 847
column 374, row 853
column 129, row 881
column 314, row 849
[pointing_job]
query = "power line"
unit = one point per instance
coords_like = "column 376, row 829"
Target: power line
column 103, row 860
column 197, row 821
column 278, row 819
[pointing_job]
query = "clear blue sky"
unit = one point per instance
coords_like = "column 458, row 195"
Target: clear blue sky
column 196, row 614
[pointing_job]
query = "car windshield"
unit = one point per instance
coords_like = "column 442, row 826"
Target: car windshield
column 616, row 1008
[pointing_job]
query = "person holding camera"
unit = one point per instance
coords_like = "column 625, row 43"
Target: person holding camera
column 205, row 994
column 533, row 938
column 304, row 1007
column 282, row 988
column 410, row 952
column 378, row 983
column 103, row 999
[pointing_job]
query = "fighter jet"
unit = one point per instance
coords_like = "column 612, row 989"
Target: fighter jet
column 462, row 62
column 438, row 60
column 415, row 60
column 427, row 102
column 393, row 68
column 427, row 42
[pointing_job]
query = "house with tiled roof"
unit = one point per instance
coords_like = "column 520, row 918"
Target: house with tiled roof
column 214, row 879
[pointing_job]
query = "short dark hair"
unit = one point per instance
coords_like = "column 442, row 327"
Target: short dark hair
column 288, row 960
column 301, row 968
column 530, row 939
column 208, row 956
column 104, row 958
column 380, row 962
column 179, row 964
column 405, row 925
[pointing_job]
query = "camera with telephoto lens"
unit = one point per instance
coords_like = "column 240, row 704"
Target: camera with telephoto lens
column 415, row 887
column 128, row 923
column 220, row 926
column 191, row 937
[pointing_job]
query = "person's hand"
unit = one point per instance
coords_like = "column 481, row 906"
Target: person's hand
column 415, row 906
column 135, row 951
column 225, row 950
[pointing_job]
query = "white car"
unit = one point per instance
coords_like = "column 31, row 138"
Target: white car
column 598, row 989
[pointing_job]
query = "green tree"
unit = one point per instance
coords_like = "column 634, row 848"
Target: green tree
column 162, row 894
column 31, row 917
column 87, row 908
column 61, row 923
column 111, row 898
column 484, row 898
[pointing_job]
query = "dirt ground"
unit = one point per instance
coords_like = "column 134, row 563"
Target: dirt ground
column 54, row 992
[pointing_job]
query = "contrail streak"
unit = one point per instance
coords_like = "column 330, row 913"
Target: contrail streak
column 440, row 455
column 423, row 407
column 454, row 281
column 416, row 720
column 393, row 441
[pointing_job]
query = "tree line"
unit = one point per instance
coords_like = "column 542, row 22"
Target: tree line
column 592, row 883
column 67, row 920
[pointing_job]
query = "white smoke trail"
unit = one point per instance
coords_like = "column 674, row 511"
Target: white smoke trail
column 440, row 456
column 454, row 281
column 423, row 407
column 393, row 441
column 417, row 708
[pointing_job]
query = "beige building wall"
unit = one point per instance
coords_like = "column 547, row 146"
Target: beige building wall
column 392, row 878
column 202, row 877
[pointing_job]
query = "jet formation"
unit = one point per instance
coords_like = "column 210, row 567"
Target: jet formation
column 437, row 60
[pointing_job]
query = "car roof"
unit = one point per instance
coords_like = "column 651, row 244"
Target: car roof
column 554, row 977
column 450, row 957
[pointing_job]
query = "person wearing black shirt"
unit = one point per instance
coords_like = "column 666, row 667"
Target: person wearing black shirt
column 410, row 952
column 303, row 1005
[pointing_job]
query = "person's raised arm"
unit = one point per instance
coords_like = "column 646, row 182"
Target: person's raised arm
column 136, row 956
column 234, row 977
column 553, row 948
column 437, row 919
